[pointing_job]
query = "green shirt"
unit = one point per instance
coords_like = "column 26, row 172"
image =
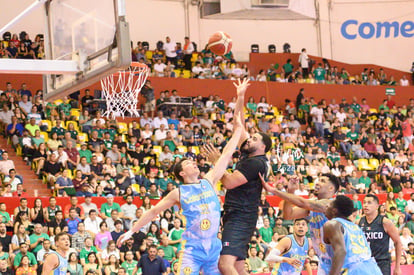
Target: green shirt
column 305, row 108
column 266, row 234
column 5, row 217
column 84, row 253
column 74, row 134
column 19, row 256
column 352, row 135
column 288, row 68
column 112, row 132
column 385, row 107
column 219, row 104
column 334, row 157
column 319, row 73
column 410, row 226
column 49, row 107
column 170, row 145
column 401, row 204
column 59, row 130
column 252, row 106
column 366, row 181
column 169, row 253
column 357, row 205
column 129, row 267
column 107, row 143
column 175, row 234
column 86, row 153
column 34, row 238
column 37, row 141
column 162, row 183
column 356, row 107
column 106, row 209
column 65, row 108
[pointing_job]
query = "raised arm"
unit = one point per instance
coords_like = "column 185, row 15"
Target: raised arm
column 239, row 109
column 221, row 165
column 333, row 235
column 171, row 199
column 309, row 205
column 392, row 231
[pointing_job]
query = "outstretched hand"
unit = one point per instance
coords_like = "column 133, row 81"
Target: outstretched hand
column 293, row 262
column 123, row 238
column 241, row 86
column 266, row 185
column 211, row 153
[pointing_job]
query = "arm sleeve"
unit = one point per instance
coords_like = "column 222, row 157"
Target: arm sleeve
column 250, row 168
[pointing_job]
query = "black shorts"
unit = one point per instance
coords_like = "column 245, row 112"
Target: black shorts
column 385, row 266
column 238, row 228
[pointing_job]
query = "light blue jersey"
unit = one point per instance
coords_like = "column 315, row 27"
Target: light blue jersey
column 295, row 251
column 201, row 209
column 322, row 250
column 62, row 268
column 358, row 260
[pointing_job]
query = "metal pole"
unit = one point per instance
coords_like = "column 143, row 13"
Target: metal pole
column 28, row 10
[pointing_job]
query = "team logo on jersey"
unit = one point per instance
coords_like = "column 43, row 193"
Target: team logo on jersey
column 226, row 244
column 322, row 248
column 205, row 224
column 187, row 270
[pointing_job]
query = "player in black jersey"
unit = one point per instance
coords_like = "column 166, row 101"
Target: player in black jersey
column 378, row 231
column 244, row 189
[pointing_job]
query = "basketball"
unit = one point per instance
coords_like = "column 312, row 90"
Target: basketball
column 220, row 43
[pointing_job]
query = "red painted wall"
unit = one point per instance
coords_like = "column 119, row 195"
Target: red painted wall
column 275, row 92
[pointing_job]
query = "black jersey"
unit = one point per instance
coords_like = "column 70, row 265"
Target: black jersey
column 377, row 238
column 246, row 197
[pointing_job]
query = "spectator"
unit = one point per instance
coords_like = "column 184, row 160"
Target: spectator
column 175, row 235
column 73, row 221
column 92, row 222
column 37, row 238
column 108, row 206
column 79, row 238
column 6, row 164
column 24, row 253
column 151, row 263
column 103, row 237
column 304, row 63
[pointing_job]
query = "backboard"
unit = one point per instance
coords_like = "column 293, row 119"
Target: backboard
column 84, row 41
column 94, row 34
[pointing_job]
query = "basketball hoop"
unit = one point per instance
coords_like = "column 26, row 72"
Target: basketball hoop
column 121, row 90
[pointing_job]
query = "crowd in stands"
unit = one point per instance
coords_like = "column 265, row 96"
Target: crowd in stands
column 170, row 59
column 77, row 152
column 176, row 59
column 21, row 46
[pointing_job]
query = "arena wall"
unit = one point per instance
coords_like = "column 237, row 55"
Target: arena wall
column 276, row 93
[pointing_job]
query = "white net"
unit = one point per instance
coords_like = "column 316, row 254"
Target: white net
column 121, row 91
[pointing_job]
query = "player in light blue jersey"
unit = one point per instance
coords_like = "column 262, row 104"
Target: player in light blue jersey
column 325, row 188
column 291, row 251
column 351, row 252
column 56, row 262
column 201, row 209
